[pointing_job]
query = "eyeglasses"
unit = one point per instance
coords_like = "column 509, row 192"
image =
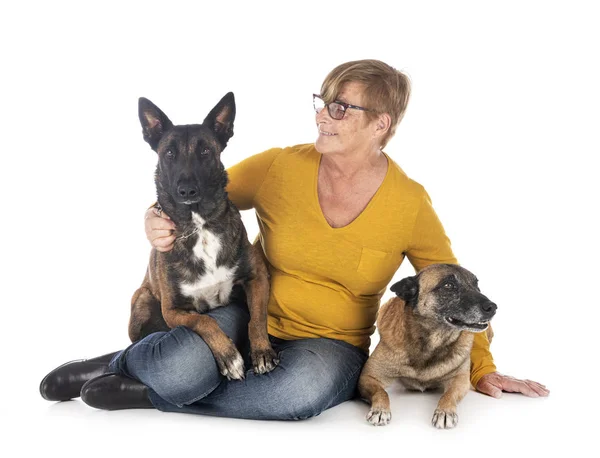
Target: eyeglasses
column 336, row 110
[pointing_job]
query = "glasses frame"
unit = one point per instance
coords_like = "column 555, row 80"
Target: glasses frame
column 345, row 105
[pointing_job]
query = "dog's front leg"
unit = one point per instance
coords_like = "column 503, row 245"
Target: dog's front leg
column 371, row 387
column 445, row 416
column 227, row 356
column 146, row 315
column 264, row 358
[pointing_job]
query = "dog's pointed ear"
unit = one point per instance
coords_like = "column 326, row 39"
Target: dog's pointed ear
column 154, row 122
column 407, row 289
column 220, row 119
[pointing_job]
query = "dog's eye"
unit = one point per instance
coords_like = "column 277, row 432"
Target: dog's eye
column 170, row 154
column 449, row 285
column 205, row 152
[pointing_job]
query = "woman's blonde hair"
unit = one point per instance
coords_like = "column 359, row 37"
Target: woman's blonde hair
column 387, row 90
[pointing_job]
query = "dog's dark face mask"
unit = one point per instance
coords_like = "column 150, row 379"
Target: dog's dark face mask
column 189, row 170
column 451, row 297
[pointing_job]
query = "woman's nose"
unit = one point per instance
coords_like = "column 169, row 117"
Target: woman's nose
column 322, row 115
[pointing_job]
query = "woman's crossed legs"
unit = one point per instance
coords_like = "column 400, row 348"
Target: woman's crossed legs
column 182, row 375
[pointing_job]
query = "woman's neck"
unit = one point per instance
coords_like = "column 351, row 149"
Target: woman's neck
column 347, row 167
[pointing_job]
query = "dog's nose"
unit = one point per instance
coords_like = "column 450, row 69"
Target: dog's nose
column 488, row 307
column 187, row 191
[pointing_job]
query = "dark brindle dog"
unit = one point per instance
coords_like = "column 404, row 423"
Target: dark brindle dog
column 212, row 253
column 426, row 338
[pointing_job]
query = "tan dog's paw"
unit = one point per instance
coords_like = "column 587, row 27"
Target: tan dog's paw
column 264, row 360
column 379, row 417
column 444, row 419
column 231, row 364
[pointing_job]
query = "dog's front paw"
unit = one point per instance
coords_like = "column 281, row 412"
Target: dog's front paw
column 231, row 364
column 444, row 419
column 264, row 360
column 379, row 417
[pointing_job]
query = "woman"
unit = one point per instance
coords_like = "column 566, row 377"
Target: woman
column 336, row 220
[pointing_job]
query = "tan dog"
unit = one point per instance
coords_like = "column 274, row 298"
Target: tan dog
column 426, row 339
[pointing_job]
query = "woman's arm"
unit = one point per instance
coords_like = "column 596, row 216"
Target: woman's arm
column 430, row 245
column 482, row 362
column 247, row 177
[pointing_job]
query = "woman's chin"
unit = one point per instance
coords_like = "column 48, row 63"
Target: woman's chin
column 323, row 145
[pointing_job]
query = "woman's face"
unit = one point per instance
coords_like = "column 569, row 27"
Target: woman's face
column 352, row 135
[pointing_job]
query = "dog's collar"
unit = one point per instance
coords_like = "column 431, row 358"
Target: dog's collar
column 185, row 236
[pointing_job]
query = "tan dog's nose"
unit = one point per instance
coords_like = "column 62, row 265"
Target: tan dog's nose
column 488, row 307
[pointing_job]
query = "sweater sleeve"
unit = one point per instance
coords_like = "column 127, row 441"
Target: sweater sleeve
column 482, row 362
column 247, row 177
column 430, row 245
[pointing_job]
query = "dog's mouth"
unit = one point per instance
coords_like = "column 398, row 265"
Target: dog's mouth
column 189, row 201
column 479, row 325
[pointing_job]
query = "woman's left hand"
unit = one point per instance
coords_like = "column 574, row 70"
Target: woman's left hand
column 495, row 383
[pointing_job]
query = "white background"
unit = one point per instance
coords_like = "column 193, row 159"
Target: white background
column 502, row 130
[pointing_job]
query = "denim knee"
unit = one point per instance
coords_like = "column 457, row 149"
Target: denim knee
column 313, row 391
column 308, row 397
column 177, row 365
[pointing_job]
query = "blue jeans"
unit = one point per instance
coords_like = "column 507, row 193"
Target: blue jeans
column 182, row 375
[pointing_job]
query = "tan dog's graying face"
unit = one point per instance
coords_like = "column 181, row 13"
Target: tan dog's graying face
column 447, row 293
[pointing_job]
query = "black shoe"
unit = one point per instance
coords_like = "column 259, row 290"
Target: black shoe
column 115, row 392
column 65, row 382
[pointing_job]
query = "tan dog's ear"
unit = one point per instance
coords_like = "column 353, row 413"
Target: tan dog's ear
column 407, row 289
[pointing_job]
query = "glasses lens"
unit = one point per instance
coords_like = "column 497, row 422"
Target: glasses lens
column 318, row 103
column 336, row 111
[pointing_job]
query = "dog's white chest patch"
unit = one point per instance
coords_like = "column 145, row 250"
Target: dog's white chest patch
column 215, row 284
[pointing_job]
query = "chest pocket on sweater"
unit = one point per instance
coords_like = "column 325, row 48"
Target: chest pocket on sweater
column 376, row 266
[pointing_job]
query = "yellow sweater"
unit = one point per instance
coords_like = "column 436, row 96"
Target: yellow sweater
column 327, row 282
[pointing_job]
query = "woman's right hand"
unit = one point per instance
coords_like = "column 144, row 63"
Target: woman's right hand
column 159, row 230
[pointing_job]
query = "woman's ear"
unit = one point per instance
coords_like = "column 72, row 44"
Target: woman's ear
column 383, row 125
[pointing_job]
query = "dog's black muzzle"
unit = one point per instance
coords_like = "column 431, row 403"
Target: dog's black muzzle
column 474, row 313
